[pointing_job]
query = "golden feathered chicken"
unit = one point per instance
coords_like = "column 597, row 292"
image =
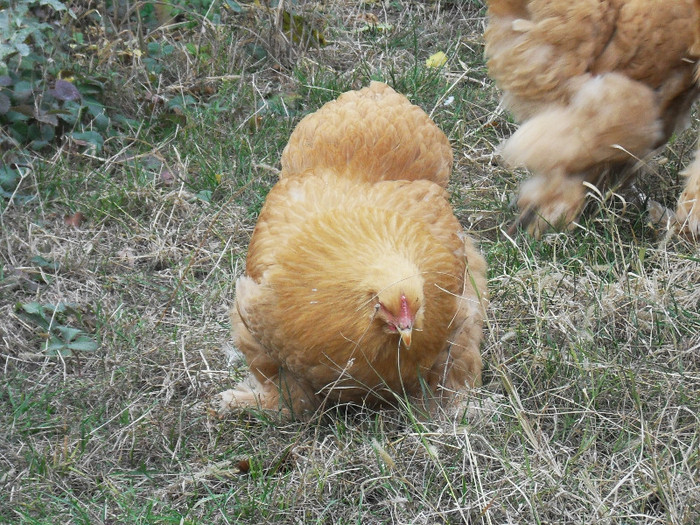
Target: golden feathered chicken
column 360, row 284
column 597, row 85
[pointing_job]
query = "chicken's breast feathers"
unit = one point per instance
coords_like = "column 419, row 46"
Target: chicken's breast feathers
column 310, row 293
column 371, row 134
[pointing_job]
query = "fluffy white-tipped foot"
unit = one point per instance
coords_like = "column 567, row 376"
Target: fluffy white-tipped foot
column 473, row 407
column 241, row 397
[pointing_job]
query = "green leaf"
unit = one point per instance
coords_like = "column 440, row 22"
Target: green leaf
column 15, row 116
column 101, row 122
column 125, row 122
column 46, row 118
column 84, row 344
column 4, row 103
column 23, row 90
column 205, row 195
column 154, row 49
column 38, row 144
column 57, row 309
column 8, row 177
column 70, row 113
column 181, row 101
column 234, row 6
column 55, row 346
column 44, row 263
column 16, row 197
column 23, row 49
column 34, row 312
column 94, row 107
column 32, row 308
column 48, row 133
column 88, row 138
column 55, row 4
column 68, row 332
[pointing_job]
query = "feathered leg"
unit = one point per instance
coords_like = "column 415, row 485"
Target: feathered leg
column 688, row 210
column 267, row 386
column 611, row 119
column 460, row 365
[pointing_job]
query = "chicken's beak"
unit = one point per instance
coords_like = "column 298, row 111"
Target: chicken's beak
column 405, row 334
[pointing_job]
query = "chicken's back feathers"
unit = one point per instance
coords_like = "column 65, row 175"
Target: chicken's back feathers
column 608, row 120
column 540, row 51
column 372, row 134
column 295, row 200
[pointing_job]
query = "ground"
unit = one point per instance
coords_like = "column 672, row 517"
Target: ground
column 589, row 408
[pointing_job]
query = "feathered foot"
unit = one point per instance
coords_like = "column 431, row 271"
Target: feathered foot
column 244, row 396
column 549, row 202
column 688, row 210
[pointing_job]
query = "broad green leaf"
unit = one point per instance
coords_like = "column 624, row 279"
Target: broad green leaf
column 22, row 91
column 8, row 177
column 84, row 344
column 205, row 195
column 34, row 312
column 86, row 138
column 4, row 103
column 234, row 6
column 55, row 4
column 44, row 263
column 32, row 308
column 55, row 346
column 68, row 332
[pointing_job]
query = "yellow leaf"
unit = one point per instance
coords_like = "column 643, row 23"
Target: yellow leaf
column 66, row 75
column 437, row 60
column 217, row 176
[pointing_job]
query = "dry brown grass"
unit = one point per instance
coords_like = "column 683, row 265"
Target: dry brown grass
column 589, row 409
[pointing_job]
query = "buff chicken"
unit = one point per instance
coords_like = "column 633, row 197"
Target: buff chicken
column 597, row 85
column 360, row 285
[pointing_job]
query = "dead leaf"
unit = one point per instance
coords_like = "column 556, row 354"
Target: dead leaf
column 167, row 177
column 65, row 90
column 244, row 466
column 369, row 18
column 74, row 220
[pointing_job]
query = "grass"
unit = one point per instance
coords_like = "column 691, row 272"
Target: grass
column 589, row 409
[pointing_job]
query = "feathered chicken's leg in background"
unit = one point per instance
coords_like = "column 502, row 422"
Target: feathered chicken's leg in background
column 688, row 210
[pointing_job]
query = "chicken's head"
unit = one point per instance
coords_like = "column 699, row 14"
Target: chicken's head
column 400, row 308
